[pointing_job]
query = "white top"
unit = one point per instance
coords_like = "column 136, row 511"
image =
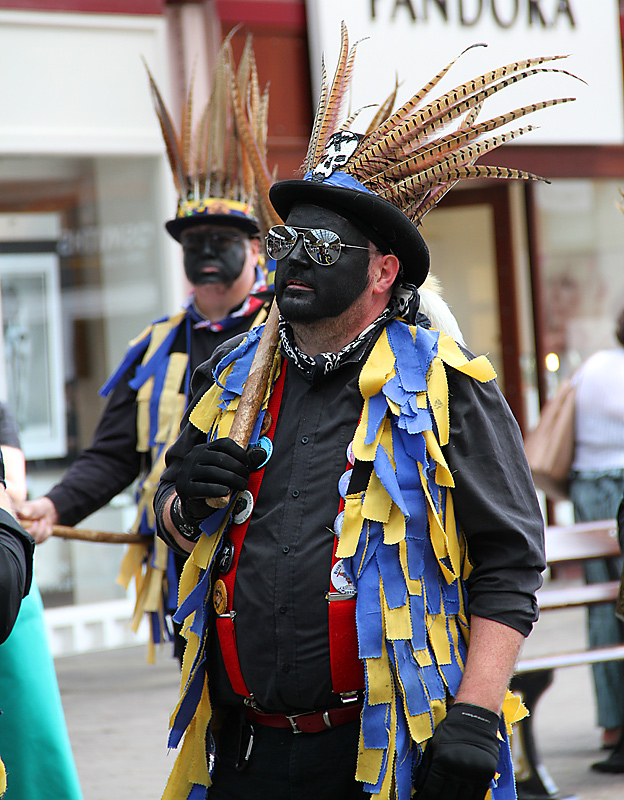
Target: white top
column 599, row 412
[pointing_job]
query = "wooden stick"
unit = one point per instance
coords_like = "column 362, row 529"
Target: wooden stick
column 83, row 535
column 253, row 391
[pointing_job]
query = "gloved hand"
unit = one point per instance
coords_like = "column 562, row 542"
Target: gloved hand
column 460, row 761
column 214, row 469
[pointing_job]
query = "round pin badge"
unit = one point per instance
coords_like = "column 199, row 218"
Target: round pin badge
column 267, row 445
column 338, row 523
column 243, row 507
column 226, row 557
column 343, row 483
column 350, row 454
column 341, row 581
column 219, row 597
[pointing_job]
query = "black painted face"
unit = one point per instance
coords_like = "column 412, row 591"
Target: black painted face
column 213, row 254
column 307, row 291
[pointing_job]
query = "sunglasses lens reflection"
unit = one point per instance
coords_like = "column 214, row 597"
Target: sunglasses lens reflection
column 322, row 245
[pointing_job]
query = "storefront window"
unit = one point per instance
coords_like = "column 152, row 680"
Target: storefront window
column 81, row 273
column 581, row 263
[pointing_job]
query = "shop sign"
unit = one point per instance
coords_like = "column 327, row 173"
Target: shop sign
column 415, row 39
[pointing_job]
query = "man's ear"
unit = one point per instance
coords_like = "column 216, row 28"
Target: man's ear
column 385, row 269
column 254, row 244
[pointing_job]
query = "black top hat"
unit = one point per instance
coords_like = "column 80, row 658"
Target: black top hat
column 213, row 211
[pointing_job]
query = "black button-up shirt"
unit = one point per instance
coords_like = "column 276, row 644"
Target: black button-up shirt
column 283, row 573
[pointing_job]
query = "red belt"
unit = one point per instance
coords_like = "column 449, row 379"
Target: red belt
column 314, row 722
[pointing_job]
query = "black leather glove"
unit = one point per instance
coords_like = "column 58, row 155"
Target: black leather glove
column 214, row 469
column 460, row 761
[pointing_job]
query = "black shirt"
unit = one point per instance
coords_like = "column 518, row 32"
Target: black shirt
column 283, row 571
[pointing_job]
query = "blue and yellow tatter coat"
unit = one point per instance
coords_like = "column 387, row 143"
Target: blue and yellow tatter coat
column 401, row 546
column 162, row 382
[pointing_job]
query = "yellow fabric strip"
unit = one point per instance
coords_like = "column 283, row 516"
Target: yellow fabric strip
column 377, row 502
column 478, row 368
column 173, row 383
column 438, row 637
column 443, row 473
column 397, row 621
column 351, row 527
column 394, row 529
column 379, row 678
column 438, row 396
column 131, row 563
column 379, row 366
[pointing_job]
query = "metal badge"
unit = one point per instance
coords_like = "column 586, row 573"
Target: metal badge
column 267, row 445
column 243, row 507
column 341, row 581
column 226, row 557
column 219, row 597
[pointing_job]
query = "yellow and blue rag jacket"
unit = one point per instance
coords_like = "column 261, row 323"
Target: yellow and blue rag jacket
column 402, row 547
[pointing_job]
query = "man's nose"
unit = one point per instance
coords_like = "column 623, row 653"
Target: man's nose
column 208, row 248
column 299, row 255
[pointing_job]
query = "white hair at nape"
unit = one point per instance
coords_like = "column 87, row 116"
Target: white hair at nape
column 433, row 306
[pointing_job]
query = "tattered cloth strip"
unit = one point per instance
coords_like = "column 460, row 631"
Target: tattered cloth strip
column 401, row 547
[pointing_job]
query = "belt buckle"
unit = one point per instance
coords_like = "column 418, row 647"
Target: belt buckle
column 293, row 722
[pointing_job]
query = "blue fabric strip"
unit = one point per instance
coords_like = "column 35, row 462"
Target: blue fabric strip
column 395, row 588
column 374, row 727
column 146, row 370
column 368, row 614
column 133, row 354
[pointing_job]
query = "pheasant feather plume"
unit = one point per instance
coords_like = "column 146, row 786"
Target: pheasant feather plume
column 414, row 155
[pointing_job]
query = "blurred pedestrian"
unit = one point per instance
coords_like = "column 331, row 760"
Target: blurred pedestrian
column 596, row 488
column 34, row 743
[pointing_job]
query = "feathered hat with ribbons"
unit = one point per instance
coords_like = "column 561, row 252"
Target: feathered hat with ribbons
column 214, row 177
column 385, row 180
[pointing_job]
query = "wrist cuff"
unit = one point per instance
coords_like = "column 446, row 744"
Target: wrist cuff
column 187, row 527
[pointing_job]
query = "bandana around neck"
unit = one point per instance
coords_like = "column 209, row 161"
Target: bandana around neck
column 324, row 363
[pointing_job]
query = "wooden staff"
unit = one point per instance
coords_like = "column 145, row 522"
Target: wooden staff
column 253, row 391
column 83, row 535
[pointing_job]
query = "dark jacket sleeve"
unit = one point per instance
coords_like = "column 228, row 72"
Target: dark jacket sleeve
column 495, row 503
column 108, row 466
column 16, row 564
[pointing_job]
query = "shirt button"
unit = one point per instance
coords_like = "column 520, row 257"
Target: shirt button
column 304, row 440
column 285, row 549
column 295, row 493
column 285, row 667
column 283, row 609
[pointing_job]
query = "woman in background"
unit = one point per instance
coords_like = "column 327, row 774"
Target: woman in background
column 34, row 742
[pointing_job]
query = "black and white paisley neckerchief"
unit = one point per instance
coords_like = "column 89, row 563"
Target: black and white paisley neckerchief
column 404, row 303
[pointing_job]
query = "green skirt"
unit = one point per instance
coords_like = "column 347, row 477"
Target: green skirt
column 34, row 743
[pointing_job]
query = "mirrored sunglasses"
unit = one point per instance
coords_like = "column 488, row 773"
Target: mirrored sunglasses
column 321, row 245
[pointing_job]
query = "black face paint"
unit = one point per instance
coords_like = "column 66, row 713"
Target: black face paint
column 213, row 254
column 307, row 291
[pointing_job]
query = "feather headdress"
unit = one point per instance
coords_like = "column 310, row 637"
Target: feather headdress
column 407, row 160
column 212, row 174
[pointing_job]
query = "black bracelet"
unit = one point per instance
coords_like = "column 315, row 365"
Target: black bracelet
column 186, row 527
